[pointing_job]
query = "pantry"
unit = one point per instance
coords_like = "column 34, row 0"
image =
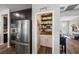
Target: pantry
column 44, row 25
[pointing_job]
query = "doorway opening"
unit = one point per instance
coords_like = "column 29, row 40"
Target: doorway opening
column 44, row 33
column 5, row 28
column 69, row 29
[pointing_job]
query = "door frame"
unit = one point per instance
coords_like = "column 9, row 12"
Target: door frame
column 3, row 12
column 36, row 38
column 3, row 26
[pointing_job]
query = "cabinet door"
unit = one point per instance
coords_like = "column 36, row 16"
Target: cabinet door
column 46, row 41
column 49, row 44
column 42, row 41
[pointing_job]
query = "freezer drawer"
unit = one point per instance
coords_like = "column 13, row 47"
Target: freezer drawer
column 22, row 48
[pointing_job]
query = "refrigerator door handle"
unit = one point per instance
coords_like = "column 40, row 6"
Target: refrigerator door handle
column 21, row 43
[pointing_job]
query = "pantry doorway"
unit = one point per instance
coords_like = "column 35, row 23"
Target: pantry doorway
column 44, row 32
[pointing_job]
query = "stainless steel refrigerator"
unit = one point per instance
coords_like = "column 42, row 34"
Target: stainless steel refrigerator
column 23, row 37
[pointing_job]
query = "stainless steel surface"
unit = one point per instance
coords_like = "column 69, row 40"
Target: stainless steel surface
column 22, row 49
column 18, row 25
column 23, row 30
column 23, row 37
column 20, row 43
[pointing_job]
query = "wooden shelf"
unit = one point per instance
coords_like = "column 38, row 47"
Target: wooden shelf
column 46, row 20
column 46, row 24
column 46, row 33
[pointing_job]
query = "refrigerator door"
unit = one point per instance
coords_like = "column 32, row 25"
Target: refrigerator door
column 23, row 31
column 18, row 25
column 23, row 37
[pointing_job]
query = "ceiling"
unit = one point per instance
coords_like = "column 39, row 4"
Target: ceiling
column 15, row 7
column 69, row 18
column 67, row 7
column 69, row 12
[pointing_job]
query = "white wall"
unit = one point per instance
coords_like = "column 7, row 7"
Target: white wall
column 65, row 27
column 56, row 24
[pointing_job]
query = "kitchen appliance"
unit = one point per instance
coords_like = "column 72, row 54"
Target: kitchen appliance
column 23, row 37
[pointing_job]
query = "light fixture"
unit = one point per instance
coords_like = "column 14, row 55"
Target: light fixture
column 17, row 14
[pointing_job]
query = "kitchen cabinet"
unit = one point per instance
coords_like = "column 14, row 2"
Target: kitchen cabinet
column 46, row 40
